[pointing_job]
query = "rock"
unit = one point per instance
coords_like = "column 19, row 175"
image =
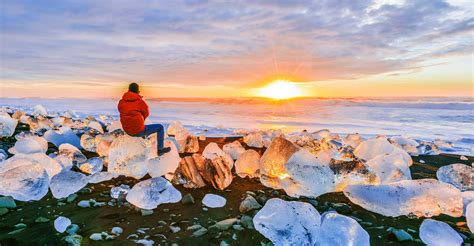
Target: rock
column 459, row 175
column 434, row 232
column 342, row 208
column 175, row 229
column 25, row 182
column 238, row 227
column 164, row 164
column 61, row 223
column 272, row 163
column 86, row 203
column 422, row 197
column 92, row 166
column 118, row 191
column 71, row 198
column 7, row 202
column 72, row 229
column 96, row 237
column 288, row 223
column 199, row 232
column 254, row 140
column 116, row 230
column 234, row 149
column 400, row 235
column 145, row 242
column 61, row 136
column 66, row 183
column 128, row 156
column 224, row 224
column 7, row 125
column 249, row 204
column 73, row 240
column 152, row 192
column 247, row 222
column 146, row 212
column 3, row 211
column 214, row 201
column 41, row 219
column 247, row 164
column 187, row 199
column 338, row 229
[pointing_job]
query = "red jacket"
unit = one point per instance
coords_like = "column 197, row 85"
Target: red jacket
column 133, row 112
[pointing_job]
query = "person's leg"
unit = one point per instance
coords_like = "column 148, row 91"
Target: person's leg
column 159, row 129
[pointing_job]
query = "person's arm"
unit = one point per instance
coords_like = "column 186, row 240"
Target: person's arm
column 145, row 111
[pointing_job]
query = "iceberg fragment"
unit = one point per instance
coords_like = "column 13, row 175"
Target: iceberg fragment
column 459, row 175
column 247, row 164
column 337, row 229
column 128, row 156
column 29, row 144
column 92, row 165
column 24, row 183
column 213, row 201
column 254, row 139
column 7, row 125
column 61, row 136
column 234, row 149
column 66, row 183
column 438, row 233
column 164, row 164
column 152, row 192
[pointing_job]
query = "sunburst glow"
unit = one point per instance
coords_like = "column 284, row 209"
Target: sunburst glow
column 281, row 89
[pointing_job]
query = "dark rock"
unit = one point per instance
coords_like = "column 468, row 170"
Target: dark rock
column 7, row 202
column 342, row 208
column 187, row 199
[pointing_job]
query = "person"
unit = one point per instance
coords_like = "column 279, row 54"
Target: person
column 133, row 113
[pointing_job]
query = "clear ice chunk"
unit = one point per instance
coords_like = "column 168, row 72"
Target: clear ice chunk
column 61, row 136
column 51, row 166
column 337, row 229
column 152, row 192
column 234, row 149
column 118, row 191
column 438, row 233
column 92, row 165
column 164, row 164
column 24, row 183
column 128, row 156
column 7, row 125
column 66, row 183
column 214, row 201
column 254, row 139
column 459, row 175
column 247, row 164
column 61, row 223
column 29, row 144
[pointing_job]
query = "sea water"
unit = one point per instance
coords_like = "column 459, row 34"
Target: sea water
column 449, row 119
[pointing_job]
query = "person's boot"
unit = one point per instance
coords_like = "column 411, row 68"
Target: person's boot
column 163, row 151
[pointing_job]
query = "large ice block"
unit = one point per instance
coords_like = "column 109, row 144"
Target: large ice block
column 51, row 166
column 164, row 164
column 29, row 144
column 61, row 136
column 152, row 192
column 7, row 125
column 234, row 149
column 67, row 182
column 25, row 183
column 337, row 229
column 247, row 164
column 459, row 175
column 438, row 233
column 128, row 156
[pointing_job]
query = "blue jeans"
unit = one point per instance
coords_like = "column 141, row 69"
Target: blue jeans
column 150, row 129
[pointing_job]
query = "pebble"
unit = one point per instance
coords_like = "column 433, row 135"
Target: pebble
column 199, row 232
column 224, row 224
column 3, row 211
column 72, row 229
column 463, row 158
column 342, row 208
column 237, row 227
column 71, row 198
column 247, row 222
column 187, row 199
column 175, row 229
column 249, row 204
column 41, row 219
column 7, row 202
column 146, row 212
column 84, row 204
column 116, row 230
column 400, row 234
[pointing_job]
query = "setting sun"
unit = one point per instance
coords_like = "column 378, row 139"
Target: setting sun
column 281, row 89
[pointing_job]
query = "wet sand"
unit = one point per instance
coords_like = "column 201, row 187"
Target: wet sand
column 130, row 219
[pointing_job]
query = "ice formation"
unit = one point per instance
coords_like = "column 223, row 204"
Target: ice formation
column 234, row 149
column 353, row 140
column 214, row 201
column 88, row 141
column 338, row 229
column 96, row 126
column 254, row 140
column 92, row 165
column 29, row 144
column 117, row 191
column 152, row 192
column 459, row 175
column 128, row 156
column 101, row 177
column 164, row 164
column 272, row 163
column 212, row 151
column 51, row 166
column 422, row 197
column 103, row 142
column 438, row 233
column 71, row 154
column 66, row 183
column 61, row 223
column 409, row 145
column 288, row 223
column 174, row 127
column 470, row 216
column 372, row 148
column 114, row 125
column 248, row 163
column 25, row 182
column 61, row 136
column 390, row 167
column 467, row 197
column 7, row 125
column 39, row 110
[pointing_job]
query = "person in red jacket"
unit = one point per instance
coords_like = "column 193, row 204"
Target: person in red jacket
column 133, row 113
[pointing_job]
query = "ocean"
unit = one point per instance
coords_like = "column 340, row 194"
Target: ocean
column 448, row 119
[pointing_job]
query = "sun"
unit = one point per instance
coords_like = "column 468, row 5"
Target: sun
column 281, row 89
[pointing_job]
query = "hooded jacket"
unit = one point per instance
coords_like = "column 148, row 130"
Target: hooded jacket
column 133, row 112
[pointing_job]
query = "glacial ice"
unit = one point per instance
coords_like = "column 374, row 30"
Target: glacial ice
column 254, row 139
column 103, row 142
column 422, row 197
column 61, row 136
column 7, row 125
column 467, row 197
column 72, row 153
column 39, row 110
column 88, row 141
column 353, row 140
column 174, row 127
column 96, row 126
column 92, row 165
column 273, row 160
column 337, row 229
column 61, row 223
column 164, row 164
column 459, row 175
column 288, row 223
column 390, row 167
column 66, row 183
column 213, row 201
column 247, row 164
column 128, row 156
column 409, row 145
column 117, row 191
column 181, row 136
column 25, row 182
column 234, row 149
column 101, row 177
column 188, row 172
column 114, row 125
column 29, row 144
column 152, row 192
column 470, row 216
column 438, row 233
column 212, row 151
column 374, row 147
column 51, row 166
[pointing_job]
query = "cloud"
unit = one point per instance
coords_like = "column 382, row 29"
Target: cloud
column 229, row 43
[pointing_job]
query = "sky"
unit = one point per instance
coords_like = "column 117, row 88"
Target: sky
column 193, row 48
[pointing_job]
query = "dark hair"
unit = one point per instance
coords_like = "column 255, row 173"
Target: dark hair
column 133, row 87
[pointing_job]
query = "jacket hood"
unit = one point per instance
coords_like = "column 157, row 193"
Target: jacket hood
column 131, row 96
